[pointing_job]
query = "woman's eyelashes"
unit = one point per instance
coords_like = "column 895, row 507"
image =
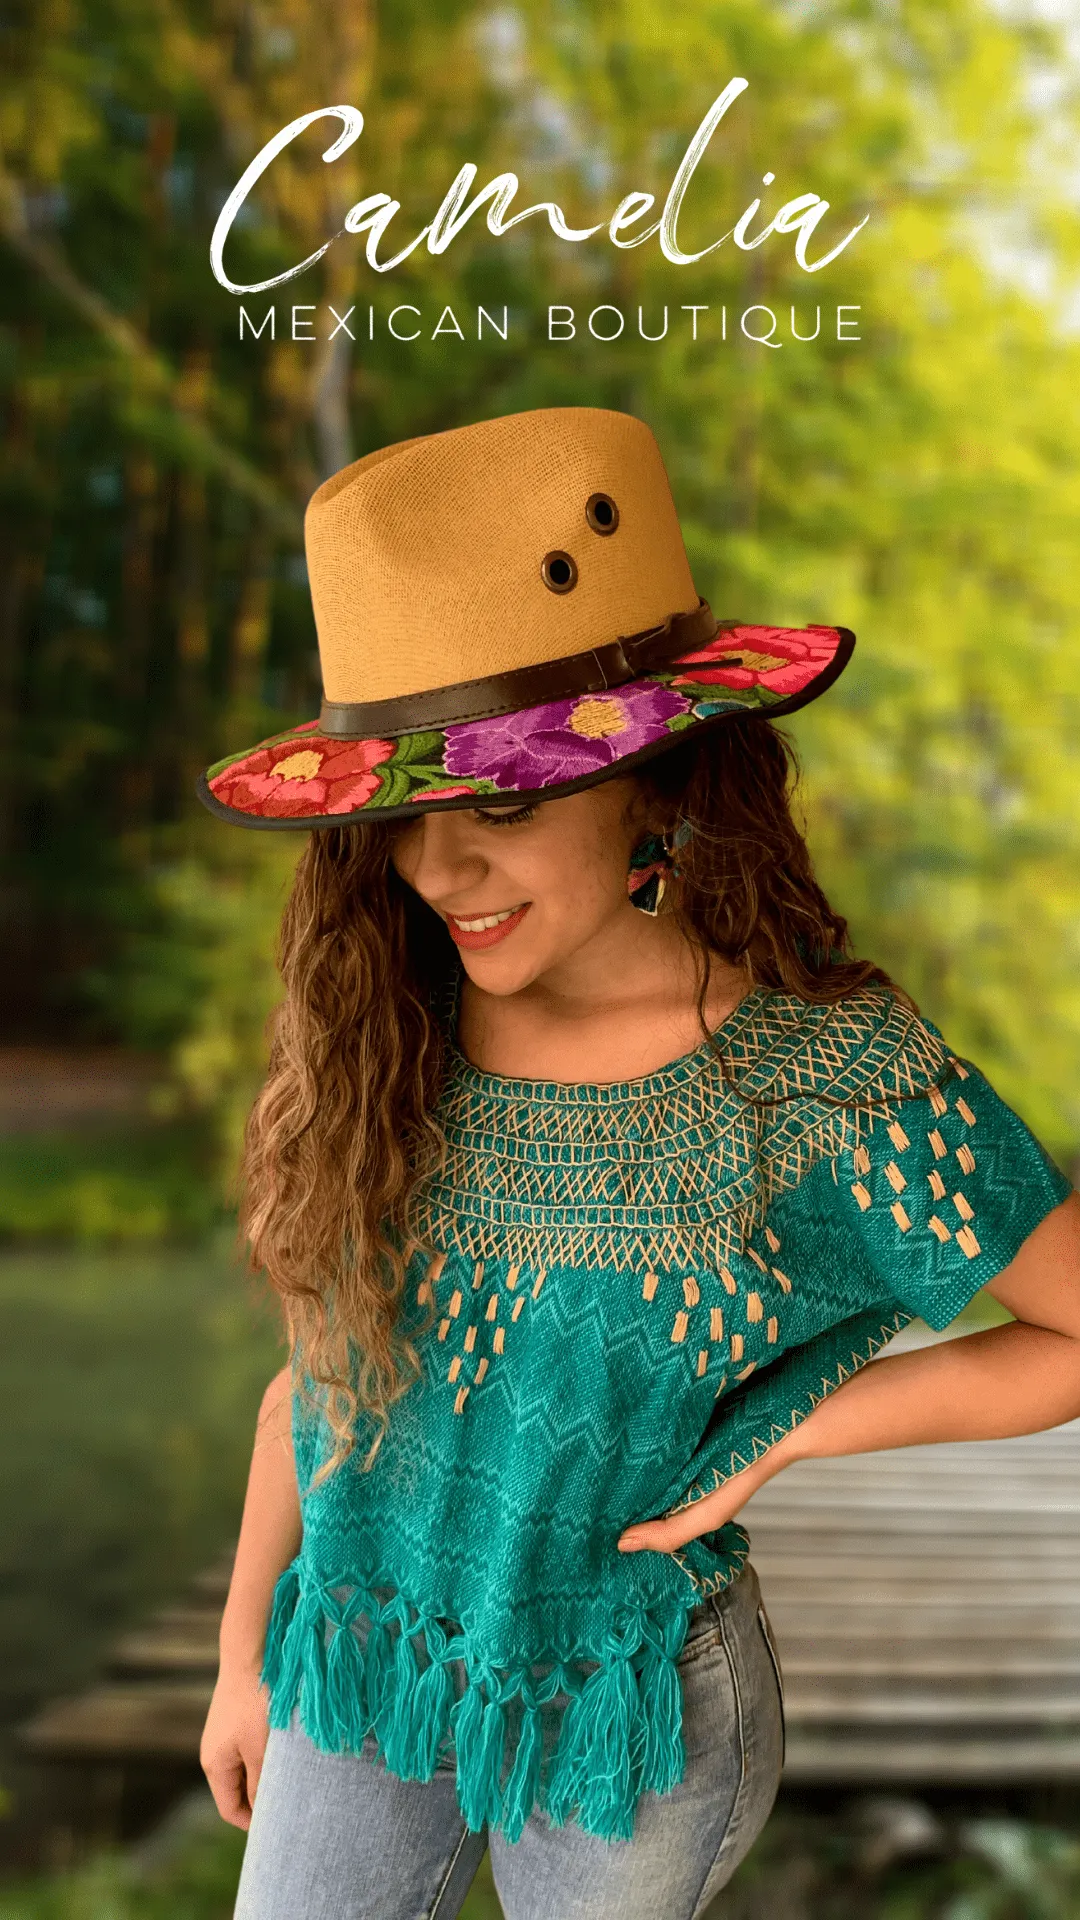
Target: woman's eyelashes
column 504, row 816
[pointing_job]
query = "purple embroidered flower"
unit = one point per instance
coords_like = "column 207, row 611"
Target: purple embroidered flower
column 565, row 739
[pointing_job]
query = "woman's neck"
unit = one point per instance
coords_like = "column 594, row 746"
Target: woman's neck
column 622, row 1007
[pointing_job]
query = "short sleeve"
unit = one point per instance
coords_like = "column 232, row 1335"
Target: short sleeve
column 943, row 1193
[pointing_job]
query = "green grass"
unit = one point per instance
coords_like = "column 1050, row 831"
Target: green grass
column 130, row 1382
column 198, row 1884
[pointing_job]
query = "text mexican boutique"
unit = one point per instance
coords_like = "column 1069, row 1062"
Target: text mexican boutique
column 764, row 325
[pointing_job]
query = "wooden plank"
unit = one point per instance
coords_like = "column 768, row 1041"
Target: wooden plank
column 900, row 1534
column 880, row 1761
column 945, row 1661
column 915, row 1626
column 956, row 1456
column 903, row 1617
column 926, row 1605
column 878, row 1497
column 1057, row 1573
column 812, row 1507
column 992, row 1485
column 953, row 1456
column 128, row 1723
column 170, row 1651
column 212, row 1584
column 946, row 1707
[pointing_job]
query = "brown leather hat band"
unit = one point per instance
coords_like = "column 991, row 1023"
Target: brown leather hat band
column 592, row 672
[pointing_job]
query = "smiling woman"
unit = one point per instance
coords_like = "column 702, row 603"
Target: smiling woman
column 591, row 1168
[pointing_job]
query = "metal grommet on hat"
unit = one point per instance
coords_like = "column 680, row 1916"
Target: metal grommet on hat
column 558, row 571
column 601, row 513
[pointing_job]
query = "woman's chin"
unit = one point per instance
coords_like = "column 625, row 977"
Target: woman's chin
column 511, row 966
column 498, row 973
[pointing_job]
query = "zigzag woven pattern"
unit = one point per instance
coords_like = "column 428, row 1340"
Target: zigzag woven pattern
column 621, row 1296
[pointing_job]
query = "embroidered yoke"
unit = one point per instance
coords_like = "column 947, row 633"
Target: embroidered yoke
column 624, row 1295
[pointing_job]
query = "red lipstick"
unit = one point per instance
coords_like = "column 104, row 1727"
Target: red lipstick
column 490, row 936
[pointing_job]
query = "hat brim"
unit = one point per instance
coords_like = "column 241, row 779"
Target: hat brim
column 307, row 778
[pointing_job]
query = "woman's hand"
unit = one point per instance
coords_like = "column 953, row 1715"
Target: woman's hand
column 234, row 1741
column 715, row 1509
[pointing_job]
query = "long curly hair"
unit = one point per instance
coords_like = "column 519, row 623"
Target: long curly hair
column 344, row 1129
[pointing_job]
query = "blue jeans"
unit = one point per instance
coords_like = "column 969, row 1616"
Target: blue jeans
column 337, row 1837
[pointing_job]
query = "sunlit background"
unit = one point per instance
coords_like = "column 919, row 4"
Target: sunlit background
column 920, row 484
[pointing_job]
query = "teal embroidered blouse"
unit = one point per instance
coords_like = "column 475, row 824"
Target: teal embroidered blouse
column 621, row 1295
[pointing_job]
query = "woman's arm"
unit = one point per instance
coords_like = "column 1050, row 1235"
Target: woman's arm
column 1018, row 1378
column 234, row 1738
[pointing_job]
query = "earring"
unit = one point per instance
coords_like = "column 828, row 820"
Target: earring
column 650, row 865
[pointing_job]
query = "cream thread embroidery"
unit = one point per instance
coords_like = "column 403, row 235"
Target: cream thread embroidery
column 691, row 1181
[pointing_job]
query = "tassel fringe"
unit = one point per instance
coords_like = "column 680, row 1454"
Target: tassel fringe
column 522, row 1789
column 593, row 1758
column 620, row 1733
column 346, row 1687
column 664, row 1758
column 397, row 1737
column 431, row 1717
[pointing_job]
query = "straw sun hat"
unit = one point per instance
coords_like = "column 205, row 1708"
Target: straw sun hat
column 507, row 610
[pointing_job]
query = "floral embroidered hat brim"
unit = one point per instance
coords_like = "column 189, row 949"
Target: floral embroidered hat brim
column 507, row 610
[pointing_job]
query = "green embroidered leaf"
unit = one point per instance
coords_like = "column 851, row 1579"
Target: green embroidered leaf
column 394, row 786
column 413, row 747
column 438, row 777
column 403, row 778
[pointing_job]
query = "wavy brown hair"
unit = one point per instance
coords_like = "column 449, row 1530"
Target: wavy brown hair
column 343, row 1130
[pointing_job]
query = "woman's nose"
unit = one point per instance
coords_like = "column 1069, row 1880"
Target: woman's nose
column 443, row 857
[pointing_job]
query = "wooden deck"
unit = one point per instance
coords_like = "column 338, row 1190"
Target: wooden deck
column 149, row 1709
column 926, row 1604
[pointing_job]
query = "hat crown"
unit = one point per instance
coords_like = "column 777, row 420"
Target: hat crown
column 425, row 558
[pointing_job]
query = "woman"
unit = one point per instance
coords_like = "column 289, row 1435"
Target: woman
column 591, row 1169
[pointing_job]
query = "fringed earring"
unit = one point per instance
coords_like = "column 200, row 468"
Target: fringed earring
column 650, row 865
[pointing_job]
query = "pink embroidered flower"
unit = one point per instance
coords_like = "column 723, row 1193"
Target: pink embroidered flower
column 290, row 781
column 442, row 793
column 785, row 659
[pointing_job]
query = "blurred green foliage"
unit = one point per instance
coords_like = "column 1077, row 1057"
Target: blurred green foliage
column 195, row 1879
column 842, row 1866
column 134, row 1187
column 199, row 1883
column 920, row 485
column 199, row 977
